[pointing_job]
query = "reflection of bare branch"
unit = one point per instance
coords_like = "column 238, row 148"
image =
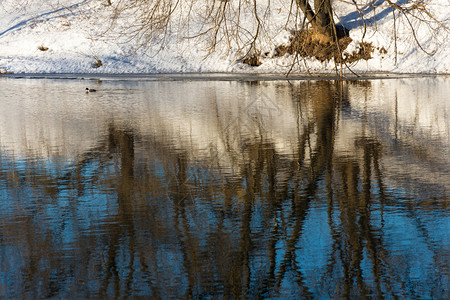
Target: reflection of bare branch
column 183, row 226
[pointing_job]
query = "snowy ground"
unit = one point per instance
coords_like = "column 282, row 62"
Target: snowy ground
column 77, row 34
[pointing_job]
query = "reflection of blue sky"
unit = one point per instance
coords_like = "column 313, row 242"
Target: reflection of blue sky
column 403, row 242
column 314, row 246
column 11, row 263
column 65, row 213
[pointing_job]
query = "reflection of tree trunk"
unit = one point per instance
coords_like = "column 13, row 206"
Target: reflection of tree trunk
column 125, row 197
column 124, row 225
column 126, row 142
column 320, row 165
column 351, row 250
column 357, row 230
column 240, row 272
column 242, row 277
column 374, row 246
column 188, row 243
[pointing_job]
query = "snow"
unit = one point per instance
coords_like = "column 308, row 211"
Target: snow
column 77, row 33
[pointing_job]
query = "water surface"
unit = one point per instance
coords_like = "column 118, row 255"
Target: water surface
column 203, row 189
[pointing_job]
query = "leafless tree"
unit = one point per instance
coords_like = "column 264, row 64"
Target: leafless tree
column 245, row 25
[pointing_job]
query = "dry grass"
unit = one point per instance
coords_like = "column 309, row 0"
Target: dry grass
column 310, row 44
column 43, row 48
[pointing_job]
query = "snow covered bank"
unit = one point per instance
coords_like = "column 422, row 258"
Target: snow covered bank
column 70, row 36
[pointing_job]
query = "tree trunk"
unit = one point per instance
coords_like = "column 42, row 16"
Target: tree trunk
column 320, row 18
column 323, row 19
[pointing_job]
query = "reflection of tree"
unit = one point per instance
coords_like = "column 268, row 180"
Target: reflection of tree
column 85, row 174
column 357, row 234
column 171, row 226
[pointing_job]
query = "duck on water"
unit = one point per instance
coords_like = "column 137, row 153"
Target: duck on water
column 88, row 90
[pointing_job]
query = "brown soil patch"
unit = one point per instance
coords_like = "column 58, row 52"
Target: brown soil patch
column 310, row 44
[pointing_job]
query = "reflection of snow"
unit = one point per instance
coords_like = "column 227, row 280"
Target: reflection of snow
column 418, row 107
column 55, row 118
column 46, row 119
column 410, row 118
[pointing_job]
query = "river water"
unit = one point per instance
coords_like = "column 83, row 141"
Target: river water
column 222, row 188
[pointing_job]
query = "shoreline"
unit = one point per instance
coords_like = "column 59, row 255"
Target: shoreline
column 215, row 76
